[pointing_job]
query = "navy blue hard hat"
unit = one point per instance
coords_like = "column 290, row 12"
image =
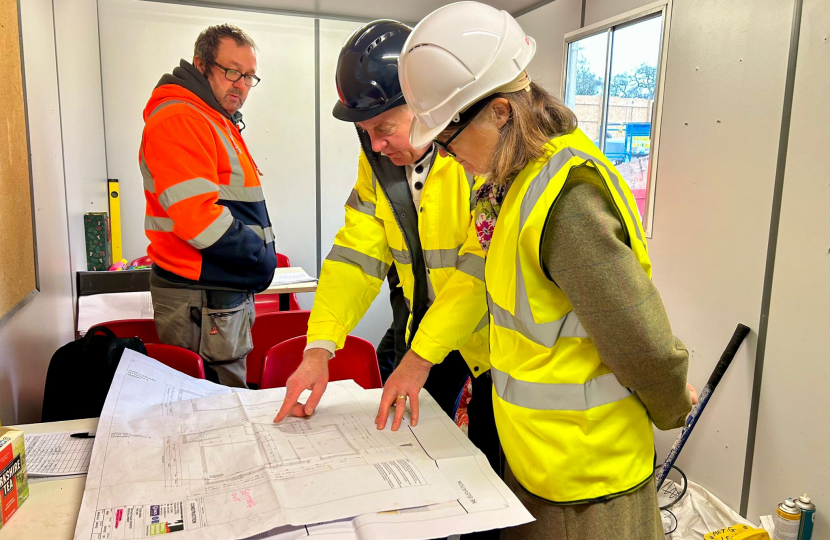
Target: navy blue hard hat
column 367, row 71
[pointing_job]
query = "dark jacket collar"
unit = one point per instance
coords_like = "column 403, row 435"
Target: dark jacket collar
column 189, row 78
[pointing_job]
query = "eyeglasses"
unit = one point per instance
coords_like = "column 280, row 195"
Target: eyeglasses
column 445, row 146
column 471, row 114
column 234, row 75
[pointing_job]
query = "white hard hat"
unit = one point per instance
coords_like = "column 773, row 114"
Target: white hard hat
column 455, row 56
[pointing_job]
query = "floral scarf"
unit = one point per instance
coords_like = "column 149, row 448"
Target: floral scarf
column 486, row 205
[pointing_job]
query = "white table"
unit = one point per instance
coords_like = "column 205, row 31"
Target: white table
column 52, row 508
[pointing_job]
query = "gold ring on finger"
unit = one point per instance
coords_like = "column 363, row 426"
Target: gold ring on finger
column 402, row 397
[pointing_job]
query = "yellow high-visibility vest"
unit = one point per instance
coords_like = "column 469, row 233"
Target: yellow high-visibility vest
column 373, row 238
column 570, row 431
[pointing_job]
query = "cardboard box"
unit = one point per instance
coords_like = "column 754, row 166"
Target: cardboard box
column 14, row 480
column 98, row 242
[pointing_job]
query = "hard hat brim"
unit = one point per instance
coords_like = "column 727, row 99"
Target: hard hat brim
column 420, row 135
column 346, row 114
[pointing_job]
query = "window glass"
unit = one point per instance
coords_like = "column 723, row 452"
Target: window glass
column 586, row 81
column 624, row 115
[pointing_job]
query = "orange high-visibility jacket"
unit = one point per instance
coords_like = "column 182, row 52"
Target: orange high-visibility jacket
column 205, row 216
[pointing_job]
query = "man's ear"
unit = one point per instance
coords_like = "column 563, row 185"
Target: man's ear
column 199, row 64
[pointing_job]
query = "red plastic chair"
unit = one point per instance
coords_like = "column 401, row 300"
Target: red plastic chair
column 270, row 329
column 266, row 303
column 178, row 358
column 356, row 360
column 144, row 329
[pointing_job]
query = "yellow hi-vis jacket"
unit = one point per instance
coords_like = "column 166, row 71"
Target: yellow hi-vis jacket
column 570, row 431
column 453, row 305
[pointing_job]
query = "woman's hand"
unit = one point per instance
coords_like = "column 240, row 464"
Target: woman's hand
column 692, row 393
column 406, row 381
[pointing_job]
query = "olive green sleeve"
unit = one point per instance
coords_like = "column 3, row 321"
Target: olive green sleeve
column 585, row 254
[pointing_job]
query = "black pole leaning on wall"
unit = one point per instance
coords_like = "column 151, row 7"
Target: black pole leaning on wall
column 763, row 326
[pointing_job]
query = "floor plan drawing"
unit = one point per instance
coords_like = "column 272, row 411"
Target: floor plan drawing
column 178, row 455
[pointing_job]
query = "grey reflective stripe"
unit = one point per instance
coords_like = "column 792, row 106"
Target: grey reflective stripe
column 162, row 224
column 237, row 176
column 402, row 257
column 597, row 392
column 523, row 321
column 369, row 265
column 482, row 323
column 615, row 181
column 146, row 175
column 471, row 264
column 267, row 234
column 160, row 106
column 441, row 258
column 430, row 292
column 374, row 182
column 214, row 231
column 540, row 183
column 241, row 193
column 185, row 190
column 544, row 334
column 356, row 203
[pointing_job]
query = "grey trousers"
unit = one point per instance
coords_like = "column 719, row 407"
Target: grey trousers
column 219, row 331
column 633, row 516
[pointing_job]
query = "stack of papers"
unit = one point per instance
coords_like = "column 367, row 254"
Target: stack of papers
column 175, row 454
column 57, row 454
column 100, row 308
column 290, row 277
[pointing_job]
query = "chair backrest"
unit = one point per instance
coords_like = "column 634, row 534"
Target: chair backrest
column 270, row 329
column 356, row 360
column 266, row 303
column 144, row 329
column 178, row 358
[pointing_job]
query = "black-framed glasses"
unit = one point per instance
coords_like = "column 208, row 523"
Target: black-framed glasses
column 445, row 146
column 470, row 115
column 234, row 75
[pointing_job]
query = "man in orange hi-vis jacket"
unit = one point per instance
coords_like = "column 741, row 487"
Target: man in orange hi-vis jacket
column 211, row 240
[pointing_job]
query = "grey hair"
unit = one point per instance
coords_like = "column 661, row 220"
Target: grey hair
column 208, row 41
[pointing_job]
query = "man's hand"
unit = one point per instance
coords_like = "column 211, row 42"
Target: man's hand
column 313, row 374
column 406, row 381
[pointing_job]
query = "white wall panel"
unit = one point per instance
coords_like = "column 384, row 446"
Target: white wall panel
column 141, row 41
column 793, row 438
column 82, row 118
column 339, row 150
column 30, row 337
column 547, row 25
column 598, row 10
column 721, row 120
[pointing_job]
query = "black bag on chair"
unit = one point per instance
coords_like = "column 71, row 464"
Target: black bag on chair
column 80, row 374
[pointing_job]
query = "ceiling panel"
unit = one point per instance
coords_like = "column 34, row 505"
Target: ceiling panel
column 402, row 10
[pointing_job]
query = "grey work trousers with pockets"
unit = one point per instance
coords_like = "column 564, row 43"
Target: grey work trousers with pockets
column 214, row 324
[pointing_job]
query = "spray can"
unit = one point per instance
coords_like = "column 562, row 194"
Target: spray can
column 787, row 521
column 808, row 517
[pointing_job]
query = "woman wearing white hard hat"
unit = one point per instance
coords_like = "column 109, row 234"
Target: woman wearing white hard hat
column 583, row 356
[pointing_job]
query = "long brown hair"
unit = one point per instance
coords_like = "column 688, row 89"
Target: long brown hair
column 535, row 118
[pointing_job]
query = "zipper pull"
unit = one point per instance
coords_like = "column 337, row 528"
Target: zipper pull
column 213, row 329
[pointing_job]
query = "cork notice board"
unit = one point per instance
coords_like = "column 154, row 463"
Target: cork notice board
column 18, row 267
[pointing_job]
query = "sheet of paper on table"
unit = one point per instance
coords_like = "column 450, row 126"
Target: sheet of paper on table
column 57, row 454
column 216, row 467
column 297, row 275
column 100, row 308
